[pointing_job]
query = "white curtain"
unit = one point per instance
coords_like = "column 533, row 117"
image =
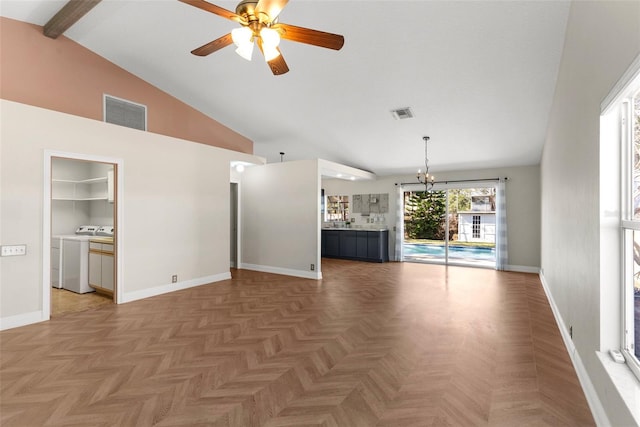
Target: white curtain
column 502, row 254
column 399, row 222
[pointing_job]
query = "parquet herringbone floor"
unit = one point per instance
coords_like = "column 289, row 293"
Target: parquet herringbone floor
column 393, row 344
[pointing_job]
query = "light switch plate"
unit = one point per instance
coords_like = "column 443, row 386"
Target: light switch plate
column 14, row 250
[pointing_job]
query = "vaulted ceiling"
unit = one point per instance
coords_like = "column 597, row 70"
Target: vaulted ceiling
column 478, row 75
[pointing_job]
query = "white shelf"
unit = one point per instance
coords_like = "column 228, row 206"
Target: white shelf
column 81, row 190
column 79, row 199
column 98, row 180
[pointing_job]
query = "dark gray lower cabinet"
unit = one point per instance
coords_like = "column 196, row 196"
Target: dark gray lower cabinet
column 357, row 245
column 362, row 243
column 331, row 243
column 348, row 244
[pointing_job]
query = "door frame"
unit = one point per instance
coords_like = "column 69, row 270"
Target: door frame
column 46, row 222
column 234, row 189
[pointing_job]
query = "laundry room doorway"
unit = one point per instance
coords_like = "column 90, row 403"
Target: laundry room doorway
column 79, row 251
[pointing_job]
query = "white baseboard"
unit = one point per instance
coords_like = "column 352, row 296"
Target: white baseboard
column 522, row 269
column 284, row 271
column 18, row 320
column 171, row 287
column 597, row 410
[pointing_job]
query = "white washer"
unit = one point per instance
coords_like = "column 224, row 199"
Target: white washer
column 70, row 260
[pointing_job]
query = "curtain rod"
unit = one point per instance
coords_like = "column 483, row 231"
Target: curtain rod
column 453, row 181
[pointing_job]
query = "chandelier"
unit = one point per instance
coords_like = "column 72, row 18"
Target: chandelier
column 424, row 177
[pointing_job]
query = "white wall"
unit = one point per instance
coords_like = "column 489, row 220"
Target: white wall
column 280, row 204
column 602, row 39
column 523, row 206
column 175, row 202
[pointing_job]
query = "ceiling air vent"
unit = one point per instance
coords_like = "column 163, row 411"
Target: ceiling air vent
column 402, row 113
column 125, row 113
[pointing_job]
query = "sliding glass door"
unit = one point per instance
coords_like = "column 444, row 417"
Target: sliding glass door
column 425, row 218
column 455, row 225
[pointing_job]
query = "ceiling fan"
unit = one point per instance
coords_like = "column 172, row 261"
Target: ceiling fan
column 258, row 20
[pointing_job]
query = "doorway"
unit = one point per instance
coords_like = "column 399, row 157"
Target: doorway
column 233, row 226
column 81, row 239
column 453, row 226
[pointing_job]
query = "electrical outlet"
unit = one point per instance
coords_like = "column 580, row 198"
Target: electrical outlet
column 14, row 250
column 174, row 278
column 313, row 267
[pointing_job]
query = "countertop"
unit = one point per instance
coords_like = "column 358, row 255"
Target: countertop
column 101, row 239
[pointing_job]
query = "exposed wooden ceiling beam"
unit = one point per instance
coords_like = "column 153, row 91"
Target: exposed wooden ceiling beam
column 67, row 16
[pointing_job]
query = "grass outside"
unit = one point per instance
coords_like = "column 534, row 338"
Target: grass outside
column 452, row 242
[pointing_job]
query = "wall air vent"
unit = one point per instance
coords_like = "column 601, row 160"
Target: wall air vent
column 125, row 113
column 402, row 113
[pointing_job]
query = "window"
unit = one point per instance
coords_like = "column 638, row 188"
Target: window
column 630, row 212
column 337, row 208
column 476, row 226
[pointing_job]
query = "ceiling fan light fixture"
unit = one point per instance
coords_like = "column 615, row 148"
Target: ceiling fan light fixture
column 245, row 50
column 241, row 36
column 270, row 37
column 259, row 23
column 270, row 52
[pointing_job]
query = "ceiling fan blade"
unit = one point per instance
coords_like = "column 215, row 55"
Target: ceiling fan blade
column 220, row 11
column 271, row 7
column 278, row 65
column 309, row 36
column 211, row 47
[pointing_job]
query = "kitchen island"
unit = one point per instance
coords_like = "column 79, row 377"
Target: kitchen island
column 359, row 244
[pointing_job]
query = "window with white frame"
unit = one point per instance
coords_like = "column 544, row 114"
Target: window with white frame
column 630, row 221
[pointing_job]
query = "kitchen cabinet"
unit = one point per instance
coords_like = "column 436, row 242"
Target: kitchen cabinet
column 373, row 245
column 101, row 266
column 360, row 245
column 384, row 203
column 348, row 242
column 366, row 209
column 331, row 243
column 366, row 204
column 362, row 239
column 357, row 203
